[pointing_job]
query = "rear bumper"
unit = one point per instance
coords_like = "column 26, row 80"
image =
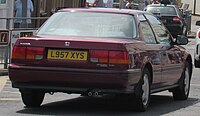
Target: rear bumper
column 73, row 80
column 175, row 29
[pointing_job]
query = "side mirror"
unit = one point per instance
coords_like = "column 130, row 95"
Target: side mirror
column 198, row 23
column 181, row 40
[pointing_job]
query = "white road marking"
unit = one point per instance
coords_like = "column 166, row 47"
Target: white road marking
column 195, row 85
column 10, row 99
column 11, row 92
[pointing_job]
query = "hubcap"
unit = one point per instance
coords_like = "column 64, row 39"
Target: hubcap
column 186, row 81
column 145, row 88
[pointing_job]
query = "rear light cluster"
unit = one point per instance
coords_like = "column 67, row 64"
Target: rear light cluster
column 177, row 19
column 27, row 53
column 96, row 56
column 199, row 34
column 111, row 57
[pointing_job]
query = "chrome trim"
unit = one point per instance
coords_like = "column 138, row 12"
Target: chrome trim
column 25, row 44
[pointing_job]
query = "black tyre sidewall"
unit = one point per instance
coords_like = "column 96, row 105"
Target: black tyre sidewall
column 139, row 106
column 32, row 98
column 179, row 92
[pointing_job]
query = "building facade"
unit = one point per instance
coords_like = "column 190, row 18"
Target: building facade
column 47, row 7
column 42, row 8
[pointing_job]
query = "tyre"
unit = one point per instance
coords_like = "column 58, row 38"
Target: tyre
column 32, row 98
column 182, row 92
column 142, row 95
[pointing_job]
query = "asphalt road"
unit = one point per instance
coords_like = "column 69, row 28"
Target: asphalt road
column 75, row 105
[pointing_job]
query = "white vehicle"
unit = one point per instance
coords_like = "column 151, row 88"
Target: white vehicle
column 197, row 48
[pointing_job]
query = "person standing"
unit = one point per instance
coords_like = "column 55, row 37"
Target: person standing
column 146, row 2
column 98, row 3
column 178, row 2
column 168, row 1
column 18, row 13
column 155, row 2
column 109, row 4
column 129, row 4
column 174, row 2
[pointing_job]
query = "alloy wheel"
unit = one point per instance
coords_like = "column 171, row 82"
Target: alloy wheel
column 186, row 81
column 145, row 88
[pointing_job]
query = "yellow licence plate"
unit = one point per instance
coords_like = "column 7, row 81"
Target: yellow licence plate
column 67, row 55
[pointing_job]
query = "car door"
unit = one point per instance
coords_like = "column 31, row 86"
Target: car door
column 170, row 54
column 152, row 50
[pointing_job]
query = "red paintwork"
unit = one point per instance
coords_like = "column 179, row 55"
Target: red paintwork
column 53, row 75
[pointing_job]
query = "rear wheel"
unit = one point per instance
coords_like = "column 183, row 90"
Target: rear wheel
column 182, row 92
column 32, row 98
column 142, row 97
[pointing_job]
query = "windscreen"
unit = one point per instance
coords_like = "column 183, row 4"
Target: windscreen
column 163, row 10
column 90, row 24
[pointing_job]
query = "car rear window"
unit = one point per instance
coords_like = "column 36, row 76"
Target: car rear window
column 163, row 10
column 90, row 24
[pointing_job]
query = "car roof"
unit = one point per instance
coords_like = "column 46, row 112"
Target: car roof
column 161, row 5
column 105, row 10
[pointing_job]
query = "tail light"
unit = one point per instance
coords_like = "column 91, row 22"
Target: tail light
column 111, row 57
column 99, row 56
column 199, row 34
column 19, row 52
column 34, row 53
column 177, row 19
column 118, row 57
column 27, row 53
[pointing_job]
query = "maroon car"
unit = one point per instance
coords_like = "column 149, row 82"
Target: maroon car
column 101, row 51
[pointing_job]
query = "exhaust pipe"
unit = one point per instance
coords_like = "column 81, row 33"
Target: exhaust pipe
column 96, row 94
column 90, row 93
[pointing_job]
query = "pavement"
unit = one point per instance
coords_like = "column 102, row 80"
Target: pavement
column 3, row 81
column 3, row 71
column 194, row 28
column 194, row 18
